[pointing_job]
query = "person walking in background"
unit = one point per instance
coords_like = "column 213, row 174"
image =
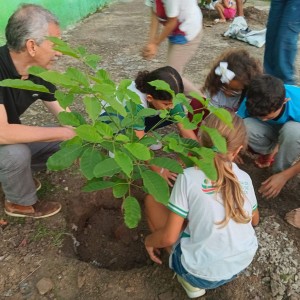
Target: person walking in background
column 208, row 223
column 182, row 25
column 283, row 30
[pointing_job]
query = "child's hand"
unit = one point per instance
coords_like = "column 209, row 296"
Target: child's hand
column 149, row 51
column 153, row 253
column 271, row 187
column 168, row 176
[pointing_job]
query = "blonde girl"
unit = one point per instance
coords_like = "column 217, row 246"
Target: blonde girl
column 208, row 224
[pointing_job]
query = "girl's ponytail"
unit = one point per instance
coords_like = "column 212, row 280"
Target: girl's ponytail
column 227, row 183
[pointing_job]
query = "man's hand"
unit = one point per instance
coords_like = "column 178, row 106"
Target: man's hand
column 150, row 51
column 271, row 187
column 69, row 133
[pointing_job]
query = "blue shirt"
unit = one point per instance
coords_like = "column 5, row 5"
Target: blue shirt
column 291, row 109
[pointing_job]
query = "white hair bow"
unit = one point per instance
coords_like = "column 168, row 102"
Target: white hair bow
column 226, row 75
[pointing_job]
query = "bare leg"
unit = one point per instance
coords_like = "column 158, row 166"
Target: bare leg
column 220, row 9
column 239, row 8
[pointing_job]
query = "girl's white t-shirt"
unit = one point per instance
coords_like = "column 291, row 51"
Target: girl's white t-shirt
column 208, row 251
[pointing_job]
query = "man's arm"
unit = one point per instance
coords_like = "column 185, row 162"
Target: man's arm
column 54, row 107
column 274, row 184
column 18, row 133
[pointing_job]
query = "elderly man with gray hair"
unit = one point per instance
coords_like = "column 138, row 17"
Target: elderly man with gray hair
column 23, row 147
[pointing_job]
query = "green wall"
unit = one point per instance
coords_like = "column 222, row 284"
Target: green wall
column 68, row 11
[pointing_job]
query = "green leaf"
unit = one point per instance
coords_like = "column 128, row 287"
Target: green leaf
column 107, row 167
column 102, row 74
column 164, row 113
column 63, row 47
column 204, row 152
column 156, row 186
column 124, row 84
column 120, row 189
column 132, row 212
column 68, row 118
column 64, row 158
column 167, row 163
column 104, row 89
column 182, row 99
column 78, row 76
column 92, row 60
column 175, row 146
column 64, row 100
column 223, row 114
column 218, row 140
column 79, row 117
column 122, row 138
column 97, row 185
column 24, row 85
column 76, row 140
column 88, row 133
column 147, row 112
column 89, row 159
column 138, row 150
column 207, row 166
column 162, row 85
column 185, row 122
column 36, row 70
column 124, row 161
column 57, row 78
column 133, row 97
column 104, row 129
column 92, row 107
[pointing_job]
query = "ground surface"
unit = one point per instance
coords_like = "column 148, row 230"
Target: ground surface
column 40, row 259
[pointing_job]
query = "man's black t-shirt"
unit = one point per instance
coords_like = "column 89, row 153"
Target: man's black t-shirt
column 16, row 101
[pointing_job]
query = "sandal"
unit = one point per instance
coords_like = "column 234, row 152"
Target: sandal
column 293, row 217
column 264, row 161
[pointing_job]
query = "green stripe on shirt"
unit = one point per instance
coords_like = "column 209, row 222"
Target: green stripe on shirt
column 177, row 210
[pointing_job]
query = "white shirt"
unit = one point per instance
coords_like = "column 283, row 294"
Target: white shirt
column 209, row 251
column 188, row 13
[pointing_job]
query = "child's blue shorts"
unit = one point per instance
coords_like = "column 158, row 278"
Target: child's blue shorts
column 175, row 264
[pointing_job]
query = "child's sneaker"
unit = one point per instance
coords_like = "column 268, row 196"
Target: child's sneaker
column 191, row 291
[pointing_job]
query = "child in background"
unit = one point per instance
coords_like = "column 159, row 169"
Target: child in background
column 227, row 81
column 209, row 224
column 159, row 100
column 271, row 114
column 229, row 78
column 226, row 10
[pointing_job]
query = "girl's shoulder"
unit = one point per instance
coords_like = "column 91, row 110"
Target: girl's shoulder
column 240, row 174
